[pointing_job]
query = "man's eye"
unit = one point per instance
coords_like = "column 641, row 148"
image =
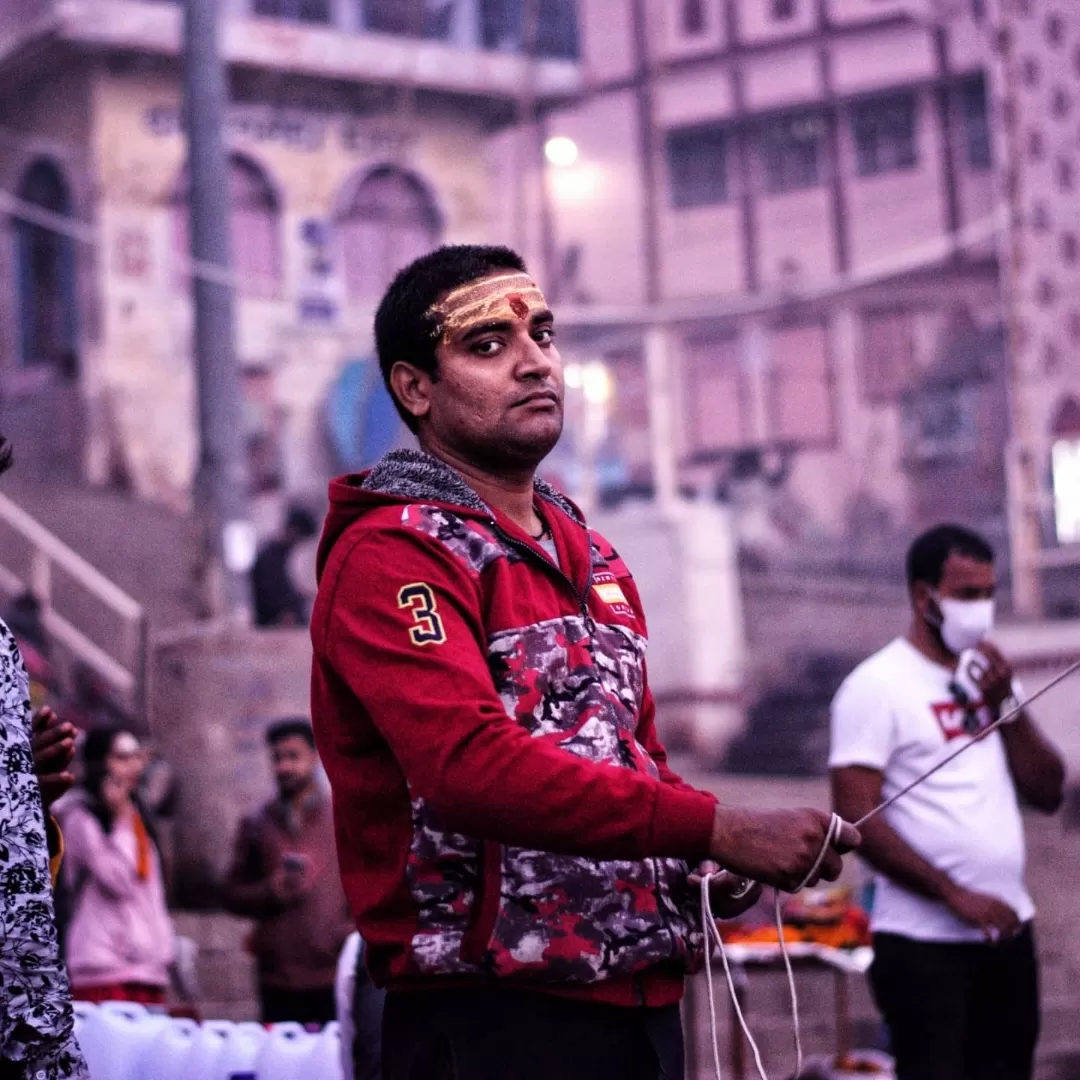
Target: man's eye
column 487, row 348
column 545, row 335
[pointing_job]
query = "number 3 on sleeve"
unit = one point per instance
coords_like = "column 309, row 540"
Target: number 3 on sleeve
column 419, row 598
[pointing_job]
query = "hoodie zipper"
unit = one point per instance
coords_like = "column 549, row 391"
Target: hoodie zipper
column 582, row 598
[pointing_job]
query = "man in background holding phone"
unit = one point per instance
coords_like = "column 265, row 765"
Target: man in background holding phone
column 955, row 970
column 284, row 875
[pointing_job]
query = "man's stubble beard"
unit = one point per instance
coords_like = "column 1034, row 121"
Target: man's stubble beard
column 510, row 450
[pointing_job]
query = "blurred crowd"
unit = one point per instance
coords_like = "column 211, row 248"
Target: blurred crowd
column 111, row 801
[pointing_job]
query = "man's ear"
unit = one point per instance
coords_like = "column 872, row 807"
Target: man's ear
column 412, row 387
column 922, row 599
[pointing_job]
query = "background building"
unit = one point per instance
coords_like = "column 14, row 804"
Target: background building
column 357, row 136
column 802, row 192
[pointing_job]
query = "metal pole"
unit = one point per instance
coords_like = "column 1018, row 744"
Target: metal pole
column 225, row 535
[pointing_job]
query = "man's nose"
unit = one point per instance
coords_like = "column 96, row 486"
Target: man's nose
column 536, row 362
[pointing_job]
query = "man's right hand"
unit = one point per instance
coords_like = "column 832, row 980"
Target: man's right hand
column 778, row 847
column 993, row 916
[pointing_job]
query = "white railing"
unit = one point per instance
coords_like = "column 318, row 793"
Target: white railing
column 125, row 670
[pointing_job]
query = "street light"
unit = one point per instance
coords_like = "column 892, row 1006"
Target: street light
column 562, row 152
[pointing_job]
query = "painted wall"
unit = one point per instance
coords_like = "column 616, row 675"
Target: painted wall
column 313, row 162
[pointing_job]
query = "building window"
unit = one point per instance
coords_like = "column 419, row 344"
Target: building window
column 1065, row 471
column 792, row 148
column 800, row 386
column 314, row 11
column 697, row 166
column 715, row 394
column 783, row 9
column 884, row 133
column 390, row 221
column 888, row 355
column 975, row 121
column 502, row 26
column 1065, row 468
column 938, row 423
column 692, row 18
column 45, row 262
column 409, row 18
column 254, row 229
column 557, row 31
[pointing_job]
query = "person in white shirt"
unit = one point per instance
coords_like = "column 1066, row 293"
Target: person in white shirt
column 955, row 972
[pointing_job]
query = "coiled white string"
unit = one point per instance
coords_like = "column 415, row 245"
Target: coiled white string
column 836, row 823
column 712, row 934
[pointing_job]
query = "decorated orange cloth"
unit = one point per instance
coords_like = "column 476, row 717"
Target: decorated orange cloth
column 823, row 917
column 143, row 847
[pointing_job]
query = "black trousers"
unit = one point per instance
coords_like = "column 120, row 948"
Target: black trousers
column 495, row 1034
column 303, row 1006
column 963, row 1011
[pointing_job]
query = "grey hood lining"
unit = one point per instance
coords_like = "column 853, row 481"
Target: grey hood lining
column 414, row 475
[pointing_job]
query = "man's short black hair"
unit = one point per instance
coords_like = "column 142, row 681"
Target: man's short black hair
column 289, row 728
column 403, row 328
column 928, row 554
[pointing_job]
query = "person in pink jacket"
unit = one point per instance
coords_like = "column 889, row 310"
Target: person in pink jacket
column 120, row 938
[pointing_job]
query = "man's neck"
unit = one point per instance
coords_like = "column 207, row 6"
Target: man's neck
column 926, row 641
column 510, row 492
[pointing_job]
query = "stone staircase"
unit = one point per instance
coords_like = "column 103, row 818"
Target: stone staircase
column 145, row 548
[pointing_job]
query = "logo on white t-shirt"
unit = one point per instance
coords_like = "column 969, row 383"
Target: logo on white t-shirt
column 956, row 720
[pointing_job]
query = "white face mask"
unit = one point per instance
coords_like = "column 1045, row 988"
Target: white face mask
column 964, row 623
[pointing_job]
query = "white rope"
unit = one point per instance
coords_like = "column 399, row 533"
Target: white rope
column 712, row 933
column 832, row 833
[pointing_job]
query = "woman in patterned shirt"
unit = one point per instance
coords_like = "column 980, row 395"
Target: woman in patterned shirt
column 37, row 1033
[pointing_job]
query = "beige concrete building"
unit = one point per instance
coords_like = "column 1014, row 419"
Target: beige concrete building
column 802, row 193
column 357, row 134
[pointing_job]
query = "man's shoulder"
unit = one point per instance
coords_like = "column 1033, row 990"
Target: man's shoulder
column 470, row 540
column 881, row 670
column 606, row 556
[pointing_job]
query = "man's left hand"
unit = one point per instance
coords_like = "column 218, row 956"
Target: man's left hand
column 724, row 890
column 53, row 746
column 996, row 682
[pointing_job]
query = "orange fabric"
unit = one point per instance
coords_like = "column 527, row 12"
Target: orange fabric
column 55, row 840
column 143, row 848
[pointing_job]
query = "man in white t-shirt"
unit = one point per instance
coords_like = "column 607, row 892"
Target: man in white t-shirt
column 954, row 970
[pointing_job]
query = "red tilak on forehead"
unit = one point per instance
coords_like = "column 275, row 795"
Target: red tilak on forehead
column 518, row 305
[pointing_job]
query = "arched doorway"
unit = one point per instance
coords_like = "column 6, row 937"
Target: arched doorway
column 254, row 229
column 390, row 220
column 42, row 408
column 45, row 272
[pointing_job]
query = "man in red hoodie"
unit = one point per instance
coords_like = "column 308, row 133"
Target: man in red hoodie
column 514, row 845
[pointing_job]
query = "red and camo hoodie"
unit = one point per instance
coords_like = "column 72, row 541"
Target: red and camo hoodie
column 502, row 805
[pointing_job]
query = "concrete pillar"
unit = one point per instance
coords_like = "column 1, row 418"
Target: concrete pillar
column 754, row 344
column 684, row 558
column 346, row 15
column 213, row 691
column 658, row 377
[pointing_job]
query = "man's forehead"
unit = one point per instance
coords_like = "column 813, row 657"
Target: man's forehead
column 499, row 297
column 962, row 569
